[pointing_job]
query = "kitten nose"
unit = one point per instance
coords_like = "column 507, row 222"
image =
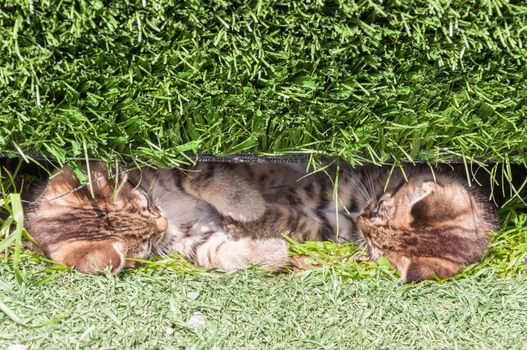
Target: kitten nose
column 162, row 223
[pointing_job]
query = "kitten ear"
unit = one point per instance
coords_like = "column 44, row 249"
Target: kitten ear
column 423, row 191
column 121, row 182
column 65, row 177
column 66, row 183
column 416, row 269
column 92, row 257
column 421, row 208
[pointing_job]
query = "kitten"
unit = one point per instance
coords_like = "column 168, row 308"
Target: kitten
column 429, row 226
column 98, row 226
column 230, row 216
column 195, row 200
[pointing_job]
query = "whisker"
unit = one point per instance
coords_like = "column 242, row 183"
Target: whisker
column 169, row 193
column 371, row 192
column 365, row 195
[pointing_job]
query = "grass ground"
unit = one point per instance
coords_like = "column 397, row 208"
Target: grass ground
column 170, row 304
column 247, row 310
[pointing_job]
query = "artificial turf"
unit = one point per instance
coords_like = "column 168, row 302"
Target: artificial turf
column 366, row 81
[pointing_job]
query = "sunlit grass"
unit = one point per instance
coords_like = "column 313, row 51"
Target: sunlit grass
column 364, row 81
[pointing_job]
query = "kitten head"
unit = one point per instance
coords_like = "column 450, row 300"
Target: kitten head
column 97, row 226
column 428, row 228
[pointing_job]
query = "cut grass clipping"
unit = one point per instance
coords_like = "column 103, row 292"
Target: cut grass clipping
column 366, row 81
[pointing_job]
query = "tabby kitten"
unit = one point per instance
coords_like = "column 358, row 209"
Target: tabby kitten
column 94, row 227
column 195, row 200
column 98, row 226
column 230, row 216
column 428, row 225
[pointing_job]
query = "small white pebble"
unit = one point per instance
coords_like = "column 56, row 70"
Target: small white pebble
column 169, row 331
column 197, row 319
column 192, row 295
column 17, row 347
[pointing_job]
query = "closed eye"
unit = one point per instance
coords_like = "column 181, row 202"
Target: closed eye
column 147, row 202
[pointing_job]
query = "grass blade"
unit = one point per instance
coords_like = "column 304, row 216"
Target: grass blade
column 15, row 318
column 18, row 216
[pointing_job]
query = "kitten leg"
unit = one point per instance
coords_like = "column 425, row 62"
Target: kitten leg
column 89, row 256
column 221, row 186
column 219, row 250
column 416, row 269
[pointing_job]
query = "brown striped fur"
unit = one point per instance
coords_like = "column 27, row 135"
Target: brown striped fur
column 196, row 199
column 230, row 216
column 427, row 224
column 98, row 226
column 94, row 227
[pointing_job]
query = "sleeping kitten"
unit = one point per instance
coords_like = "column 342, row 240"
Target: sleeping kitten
column 98, row 226
column 195, row 200
column 94, row 233
column 230, row 216
column 428, row 228
column 425, row 228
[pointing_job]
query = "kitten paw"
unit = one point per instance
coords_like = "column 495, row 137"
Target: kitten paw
column 242, row 210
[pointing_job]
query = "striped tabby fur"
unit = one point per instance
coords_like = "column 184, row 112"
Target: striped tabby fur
column 98, row 226
column 427, row 224
column 93, row 227
column 229, row 216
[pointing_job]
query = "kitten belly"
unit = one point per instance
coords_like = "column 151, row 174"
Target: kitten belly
column 189, row 222
column 201, row 238
column 184, row 239
column 188, row 217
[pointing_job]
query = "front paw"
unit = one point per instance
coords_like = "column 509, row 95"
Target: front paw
column 242, row 209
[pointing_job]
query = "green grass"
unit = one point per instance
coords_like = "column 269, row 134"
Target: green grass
column 367, row 81
column 250, row 310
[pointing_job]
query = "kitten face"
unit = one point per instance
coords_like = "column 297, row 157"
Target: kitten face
column 427, row 228
column 97, row 229
column 136, row 220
